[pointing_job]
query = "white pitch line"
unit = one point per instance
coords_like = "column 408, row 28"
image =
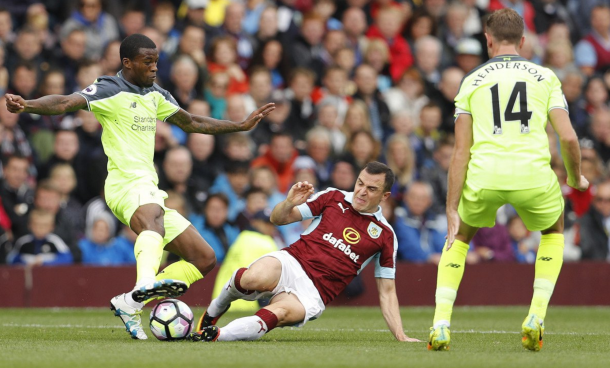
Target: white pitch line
column 35, row 325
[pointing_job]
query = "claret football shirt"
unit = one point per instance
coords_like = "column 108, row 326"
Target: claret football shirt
column 340, row 242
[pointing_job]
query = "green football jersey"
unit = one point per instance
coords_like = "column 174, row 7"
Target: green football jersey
column 509, row 99
column 128, row 114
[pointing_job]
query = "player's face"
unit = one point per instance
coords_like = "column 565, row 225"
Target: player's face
column 368, row 192
column 144, row 67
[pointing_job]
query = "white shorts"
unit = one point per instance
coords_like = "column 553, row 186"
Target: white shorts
column 295, row 281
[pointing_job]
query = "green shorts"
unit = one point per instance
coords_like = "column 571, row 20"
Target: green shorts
column 539, row 208
column 125, row 202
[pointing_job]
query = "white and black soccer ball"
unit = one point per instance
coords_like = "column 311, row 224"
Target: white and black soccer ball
column 171, row 320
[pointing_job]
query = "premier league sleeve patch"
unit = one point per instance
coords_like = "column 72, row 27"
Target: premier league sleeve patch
column 374, row 230
column 90, row 90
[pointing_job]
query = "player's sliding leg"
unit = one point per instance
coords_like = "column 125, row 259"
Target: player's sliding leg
column 284, row 310
column 450, row 272
column 246, row 283
column 549, row 260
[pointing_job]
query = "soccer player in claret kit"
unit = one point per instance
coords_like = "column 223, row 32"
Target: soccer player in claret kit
column 128, row 106
column 347, row 233
column 502, row 156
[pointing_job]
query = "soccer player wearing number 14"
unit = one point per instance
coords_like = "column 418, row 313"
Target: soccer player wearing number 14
column 502, row 156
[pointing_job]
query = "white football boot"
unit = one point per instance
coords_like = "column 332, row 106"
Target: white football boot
column 130, row 316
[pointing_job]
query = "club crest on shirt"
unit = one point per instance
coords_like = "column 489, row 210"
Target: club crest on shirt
column 90, row 90
column 374, row 230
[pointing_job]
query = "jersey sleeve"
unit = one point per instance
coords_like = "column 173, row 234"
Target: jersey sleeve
column 462, row 100
column 556, row 97
column 315, row 205
column 98, row 96
column 385, row 261
column 166, row 106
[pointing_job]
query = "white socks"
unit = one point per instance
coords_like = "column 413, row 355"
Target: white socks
column 243, row 329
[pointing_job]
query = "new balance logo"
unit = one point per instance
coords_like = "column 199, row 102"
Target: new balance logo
column 453, row 265
column 133, row 105
column 343, row 209
column 546, row 259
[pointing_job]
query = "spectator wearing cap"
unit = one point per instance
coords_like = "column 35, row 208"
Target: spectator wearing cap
column 592, row 54
column 214, row 226
column 233, row 185
column 280, row 158
column 250, row 245
column 99, row 26
column 468, row 54
column 101, row 248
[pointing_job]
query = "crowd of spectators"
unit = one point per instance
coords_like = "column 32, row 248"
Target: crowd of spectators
column 352, row 80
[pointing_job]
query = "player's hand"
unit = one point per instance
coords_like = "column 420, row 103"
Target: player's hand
column 453, row 224
column 581, row 185
column 406, row 338
column 299, row 193
column 14, row 103
column 257, row 116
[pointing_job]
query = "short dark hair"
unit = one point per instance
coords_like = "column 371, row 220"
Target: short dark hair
column 376, row 167
column 130, row 47
column 505, row 25
column 253, row 191
column 221, row 196
column 237, row 167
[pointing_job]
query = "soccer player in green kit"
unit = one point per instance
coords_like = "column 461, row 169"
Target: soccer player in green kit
column 501, row 156
column 128, row 106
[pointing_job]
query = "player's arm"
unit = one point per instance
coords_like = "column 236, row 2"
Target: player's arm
column 200, row 124
column 388, row 301
column 570, row 148
column 457, row 172
column 286, row 212
column 47, row 105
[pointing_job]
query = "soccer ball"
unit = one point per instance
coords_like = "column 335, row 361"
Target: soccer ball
column 170, row 320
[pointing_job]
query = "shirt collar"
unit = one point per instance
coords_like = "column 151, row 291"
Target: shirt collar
column 349, row 197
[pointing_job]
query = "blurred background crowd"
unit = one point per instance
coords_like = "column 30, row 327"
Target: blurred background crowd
column 353, row 81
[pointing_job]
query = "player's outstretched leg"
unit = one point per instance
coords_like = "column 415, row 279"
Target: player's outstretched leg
column 242, row 329
column 284, row 310
column 549, row 260
column 230, row 292
column 450, row 272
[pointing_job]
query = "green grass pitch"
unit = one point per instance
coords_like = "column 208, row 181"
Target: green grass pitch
column 342, row 337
